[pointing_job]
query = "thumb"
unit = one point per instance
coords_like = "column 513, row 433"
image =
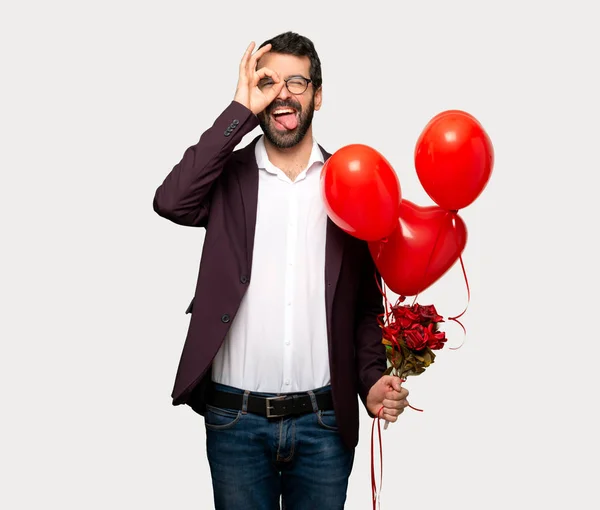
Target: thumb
column 275, row 90
column 393, row 381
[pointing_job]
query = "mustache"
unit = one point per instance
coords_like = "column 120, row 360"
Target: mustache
column 280, row 103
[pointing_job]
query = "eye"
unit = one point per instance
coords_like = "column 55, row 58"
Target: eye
column 265, row 82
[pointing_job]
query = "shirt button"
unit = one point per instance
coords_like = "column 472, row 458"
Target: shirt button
column 287, row 382
column 287, row 342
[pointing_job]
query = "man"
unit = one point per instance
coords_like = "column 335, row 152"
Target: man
column 283, row 333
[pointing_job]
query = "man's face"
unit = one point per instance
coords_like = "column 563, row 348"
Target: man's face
column 282, row 127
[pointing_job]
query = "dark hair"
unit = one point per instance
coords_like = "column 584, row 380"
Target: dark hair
column 290, row 43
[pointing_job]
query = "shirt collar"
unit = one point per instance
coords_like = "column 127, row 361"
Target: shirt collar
column 262, row 158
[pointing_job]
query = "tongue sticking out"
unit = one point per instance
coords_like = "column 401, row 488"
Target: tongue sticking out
column 288, row 121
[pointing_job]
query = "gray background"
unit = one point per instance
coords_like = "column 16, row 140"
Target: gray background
column 99, row 101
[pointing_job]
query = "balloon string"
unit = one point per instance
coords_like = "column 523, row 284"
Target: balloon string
column 374, row 492
column 384, row 318
column 455, row 318
column 382, row 291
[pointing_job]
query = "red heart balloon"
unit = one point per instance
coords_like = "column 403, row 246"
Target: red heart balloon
column 426, row 243
column 454, row 158
column 361, row 192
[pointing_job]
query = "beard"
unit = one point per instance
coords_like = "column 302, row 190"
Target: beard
column 287, row 139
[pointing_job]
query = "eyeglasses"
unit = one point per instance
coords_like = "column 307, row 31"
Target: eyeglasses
column 296, row 84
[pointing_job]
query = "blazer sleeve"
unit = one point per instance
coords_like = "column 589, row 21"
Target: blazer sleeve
column 370, row 352
column 184, row 195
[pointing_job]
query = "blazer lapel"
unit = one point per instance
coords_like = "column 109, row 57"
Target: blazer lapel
column 334, row 249
column 248, row 180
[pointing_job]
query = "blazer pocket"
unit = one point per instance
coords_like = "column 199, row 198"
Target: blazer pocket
column 190, row 306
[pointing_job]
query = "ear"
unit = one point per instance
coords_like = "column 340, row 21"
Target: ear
column 318, row 98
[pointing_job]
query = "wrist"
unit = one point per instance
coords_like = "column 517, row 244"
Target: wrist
column 240, row 98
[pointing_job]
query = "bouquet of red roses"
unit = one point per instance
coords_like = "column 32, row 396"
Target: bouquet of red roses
column 410, row 335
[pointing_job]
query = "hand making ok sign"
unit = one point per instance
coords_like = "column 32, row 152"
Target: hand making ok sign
column 248, row 93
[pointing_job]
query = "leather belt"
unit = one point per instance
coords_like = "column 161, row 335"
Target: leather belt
column 271, row 407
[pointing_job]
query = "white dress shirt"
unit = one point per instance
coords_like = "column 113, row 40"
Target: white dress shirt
column 277, row 342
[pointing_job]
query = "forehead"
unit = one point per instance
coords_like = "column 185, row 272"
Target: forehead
column 285, row 65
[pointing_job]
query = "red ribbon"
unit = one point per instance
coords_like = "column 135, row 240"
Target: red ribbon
column 374, row 491
column 455, row 318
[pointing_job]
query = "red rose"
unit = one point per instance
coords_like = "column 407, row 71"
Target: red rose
column 405, row 316
column 429, row 313
column 435, row 340
column 416, row 337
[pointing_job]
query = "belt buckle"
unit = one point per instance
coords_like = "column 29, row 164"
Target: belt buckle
column 268, row 400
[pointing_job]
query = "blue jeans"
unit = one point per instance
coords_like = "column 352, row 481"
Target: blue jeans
column 256, row 460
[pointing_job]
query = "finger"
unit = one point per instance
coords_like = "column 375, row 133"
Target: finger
column 392, row 381
column 259, row 53
column 393, row 395
column 397, row 383
column 390, row 411
column 396, row 395
column 264, row 72
column 274, row 91
column 388, row 416
column 394, row 404
column 246, row 57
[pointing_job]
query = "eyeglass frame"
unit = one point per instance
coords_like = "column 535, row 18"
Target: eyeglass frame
column 308, row 82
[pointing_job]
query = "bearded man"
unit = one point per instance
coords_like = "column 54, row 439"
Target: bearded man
column 283, row 334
